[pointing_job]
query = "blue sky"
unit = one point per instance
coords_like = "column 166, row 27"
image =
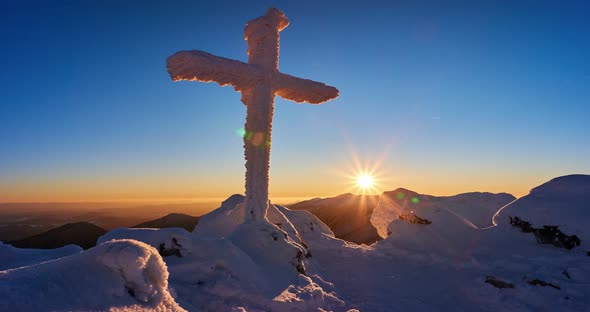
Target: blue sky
column 446, row 97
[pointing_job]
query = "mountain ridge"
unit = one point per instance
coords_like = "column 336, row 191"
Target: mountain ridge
column 83, row 234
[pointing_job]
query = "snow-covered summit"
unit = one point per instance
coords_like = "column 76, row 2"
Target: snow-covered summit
column 294, row 262
column 563, row 202
column 568, row 185
column 473, row 209
column 227, row 264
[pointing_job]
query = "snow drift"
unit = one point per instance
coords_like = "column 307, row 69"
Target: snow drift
column 12, row 257
column 121, row 275
column 294, row 262
column 226, row 264
column 161, row 239
column 472, row 209
column 561, row 202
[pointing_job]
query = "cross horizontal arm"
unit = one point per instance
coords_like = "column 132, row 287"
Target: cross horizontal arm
column 303, row 90
column 202, row 66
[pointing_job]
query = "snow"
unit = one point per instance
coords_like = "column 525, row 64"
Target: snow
column 227, row 264
column 167, row 238
column 11, row 257
column 251, row 255
column 294, row 263
column 119, row 275
column 443, row 265
column 562, row 201
column 201, row 66
column 472, row 209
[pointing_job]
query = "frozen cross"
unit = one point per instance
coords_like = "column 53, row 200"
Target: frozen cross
column 258, row 81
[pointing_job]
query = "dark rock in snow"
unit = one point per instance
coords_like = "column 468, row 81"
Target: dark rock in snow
column 498, row 283
column 173, row 251
column 411, row 217
column 537, row 281
column 548, row 234
column 524, row 226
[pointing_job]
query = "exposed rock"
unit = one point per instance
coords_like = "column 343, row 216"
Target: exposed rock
column 537, row 281
column 524, row 226
column 548, row 234
column 498, row 283
column 175, row 250
column 411, row 217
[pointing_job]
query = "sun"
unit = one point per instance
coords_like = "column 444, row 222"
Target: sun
column 365, row 181
column 365, row 176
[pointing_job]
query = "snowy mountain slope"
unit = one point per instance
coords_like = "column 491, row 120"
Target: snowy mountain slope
column 474, row 209
column 229, row 265
column 226, row 219
column 294, row 263
column 563, row 201
column 122, row 275
column 178, row 220
column 395, row 277
column 443, row 266
column 12, row 257
column 161, row 239
column 347, row 215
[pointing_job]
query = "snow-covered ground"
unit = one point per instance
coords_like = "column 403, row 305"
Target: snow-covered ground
column 472, row 209
column 562, row 201
column 120, row 275
column 294, row 263
column 11, row 257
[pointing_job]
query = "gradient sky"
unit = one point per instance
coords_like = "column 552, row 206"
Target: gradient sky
column 444, row 98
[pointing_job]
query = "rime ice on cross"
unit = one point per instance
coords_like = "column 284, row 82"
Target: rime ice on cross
column 258, row 81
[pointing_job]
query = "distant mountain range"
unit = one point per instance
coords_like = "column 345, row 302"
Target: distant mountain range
column 351, row 217
column 347, row 215
column 83, row 234
column 172, row 220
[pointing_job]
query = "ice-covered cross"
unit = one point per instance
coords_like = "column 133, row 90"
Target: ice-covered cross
column 259, row 81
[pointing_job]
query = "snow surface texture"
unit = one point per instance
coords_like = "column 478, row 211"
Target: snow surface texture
column 123, row 275
column 167, row 238
column 561, row 201
column 444, row 267
column 257, row 266
column 473, row 209
column 258, row 81
column 11, row 257
column 294, row 263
